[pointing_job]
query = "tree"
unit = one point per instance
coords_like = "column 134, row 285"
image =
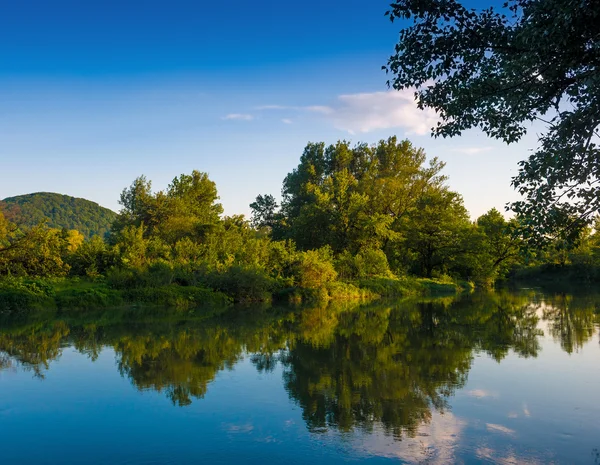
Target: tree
column 188, row 208
column 435, row 231
column 500, row 69
column 500, row 248
column 352, row 198
column 264, row 211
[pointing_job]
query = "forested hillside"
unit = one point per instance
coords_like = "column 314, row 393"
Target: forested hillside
column 60, row 211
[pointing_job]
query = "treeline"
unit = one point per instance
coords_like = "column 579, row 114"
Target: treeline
column 354, row 221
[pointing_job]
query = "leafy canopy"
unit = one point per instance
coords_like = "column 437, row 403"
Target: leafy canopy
column 500, row 69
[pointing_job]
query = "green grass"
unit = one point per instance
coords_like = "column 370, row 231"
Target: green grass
column 24, row 295
column 60, row 294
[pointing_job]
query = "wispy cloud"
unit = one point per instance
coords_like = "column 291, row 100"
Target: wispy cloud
column 324, row 110
column 274, row 107
column 238, row 117
column 472, row 150
column 286, row 121
column 366, row 112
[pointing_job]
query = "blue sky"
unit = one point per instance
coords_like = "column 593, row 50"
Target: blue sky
column 93, row 94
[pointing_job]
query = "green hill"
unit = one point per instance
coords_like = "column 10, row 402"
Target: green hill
column 60, row 211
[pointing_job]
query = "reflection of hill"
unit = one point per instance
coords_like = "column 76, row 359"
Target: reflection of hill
column 386, row 365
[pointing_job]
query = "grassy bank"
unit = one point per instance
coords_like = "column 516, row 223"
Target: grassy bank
column 22, row 294
column 60, row 294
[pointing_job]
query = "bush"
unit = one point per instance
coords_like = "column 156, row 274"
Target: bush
column 314, row 268
column 88, row 298
column 119, row 278
column 243, row 284
column 345, row 291
column 345, row 265
column 177, row 296
column 92, row 258
column 17, row 294
column 372, row 262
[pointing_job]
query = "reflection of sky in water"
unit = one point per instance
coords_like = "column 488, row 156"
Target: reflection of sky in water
column 543, row 409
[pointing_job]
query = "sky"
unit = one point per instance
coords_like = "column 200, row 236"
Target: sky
column 96, row 93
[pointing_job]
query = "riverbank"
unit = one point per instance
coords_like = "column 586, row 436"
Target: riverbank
column 24, row 294
column 549, row 274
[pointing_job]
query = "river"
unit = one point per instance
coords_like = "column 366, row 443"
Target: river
column 505, row 377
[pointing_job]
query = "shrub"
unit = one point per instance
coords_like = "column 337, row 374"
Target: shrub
column 88, row 298
column 177, row 296
column 314, row 268
column 119, row 278
column 243, row 284
column 372, row 262
column 18, row 294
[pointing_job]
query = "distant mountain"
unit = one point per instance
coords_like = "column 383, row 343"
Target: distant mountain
column 60, row 211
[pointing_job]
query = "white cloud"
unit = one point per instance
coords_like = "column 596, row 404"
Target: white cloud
column 324, row 110
column 286, row 121
column 238, row 117
column 472, row 150
column 366, row 112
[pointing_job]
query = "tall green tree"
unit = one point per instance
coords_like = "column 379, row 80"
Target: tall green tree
column 501, row 68
column 353, row 197
column 501, row 248
column 435, row 232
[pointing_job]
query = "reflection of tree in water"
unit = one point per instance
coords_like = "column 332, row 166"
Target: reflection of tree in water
column 347, row 367
column 498, row 322
column 571, row 321
column 374, row 371
column 391, row 366
column 181, row 364
column 33, row 349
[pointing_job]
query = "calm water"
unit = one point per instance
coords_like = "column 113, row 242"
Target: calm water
column 501, row 378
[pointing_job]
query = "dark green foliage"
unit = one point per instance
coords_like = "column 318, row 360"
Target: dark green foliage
column 243, row 283
column 58, row 211
column 499, row 69
column 92, row 258
column 17, row 295
column 88, row 298
column 176, row 296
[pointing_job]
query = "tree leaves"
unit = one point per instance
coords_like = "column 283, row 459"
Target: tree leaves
column 499, row 70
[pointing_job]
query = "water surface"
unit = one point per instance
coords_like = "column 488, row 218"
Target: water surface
column 507, row 377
